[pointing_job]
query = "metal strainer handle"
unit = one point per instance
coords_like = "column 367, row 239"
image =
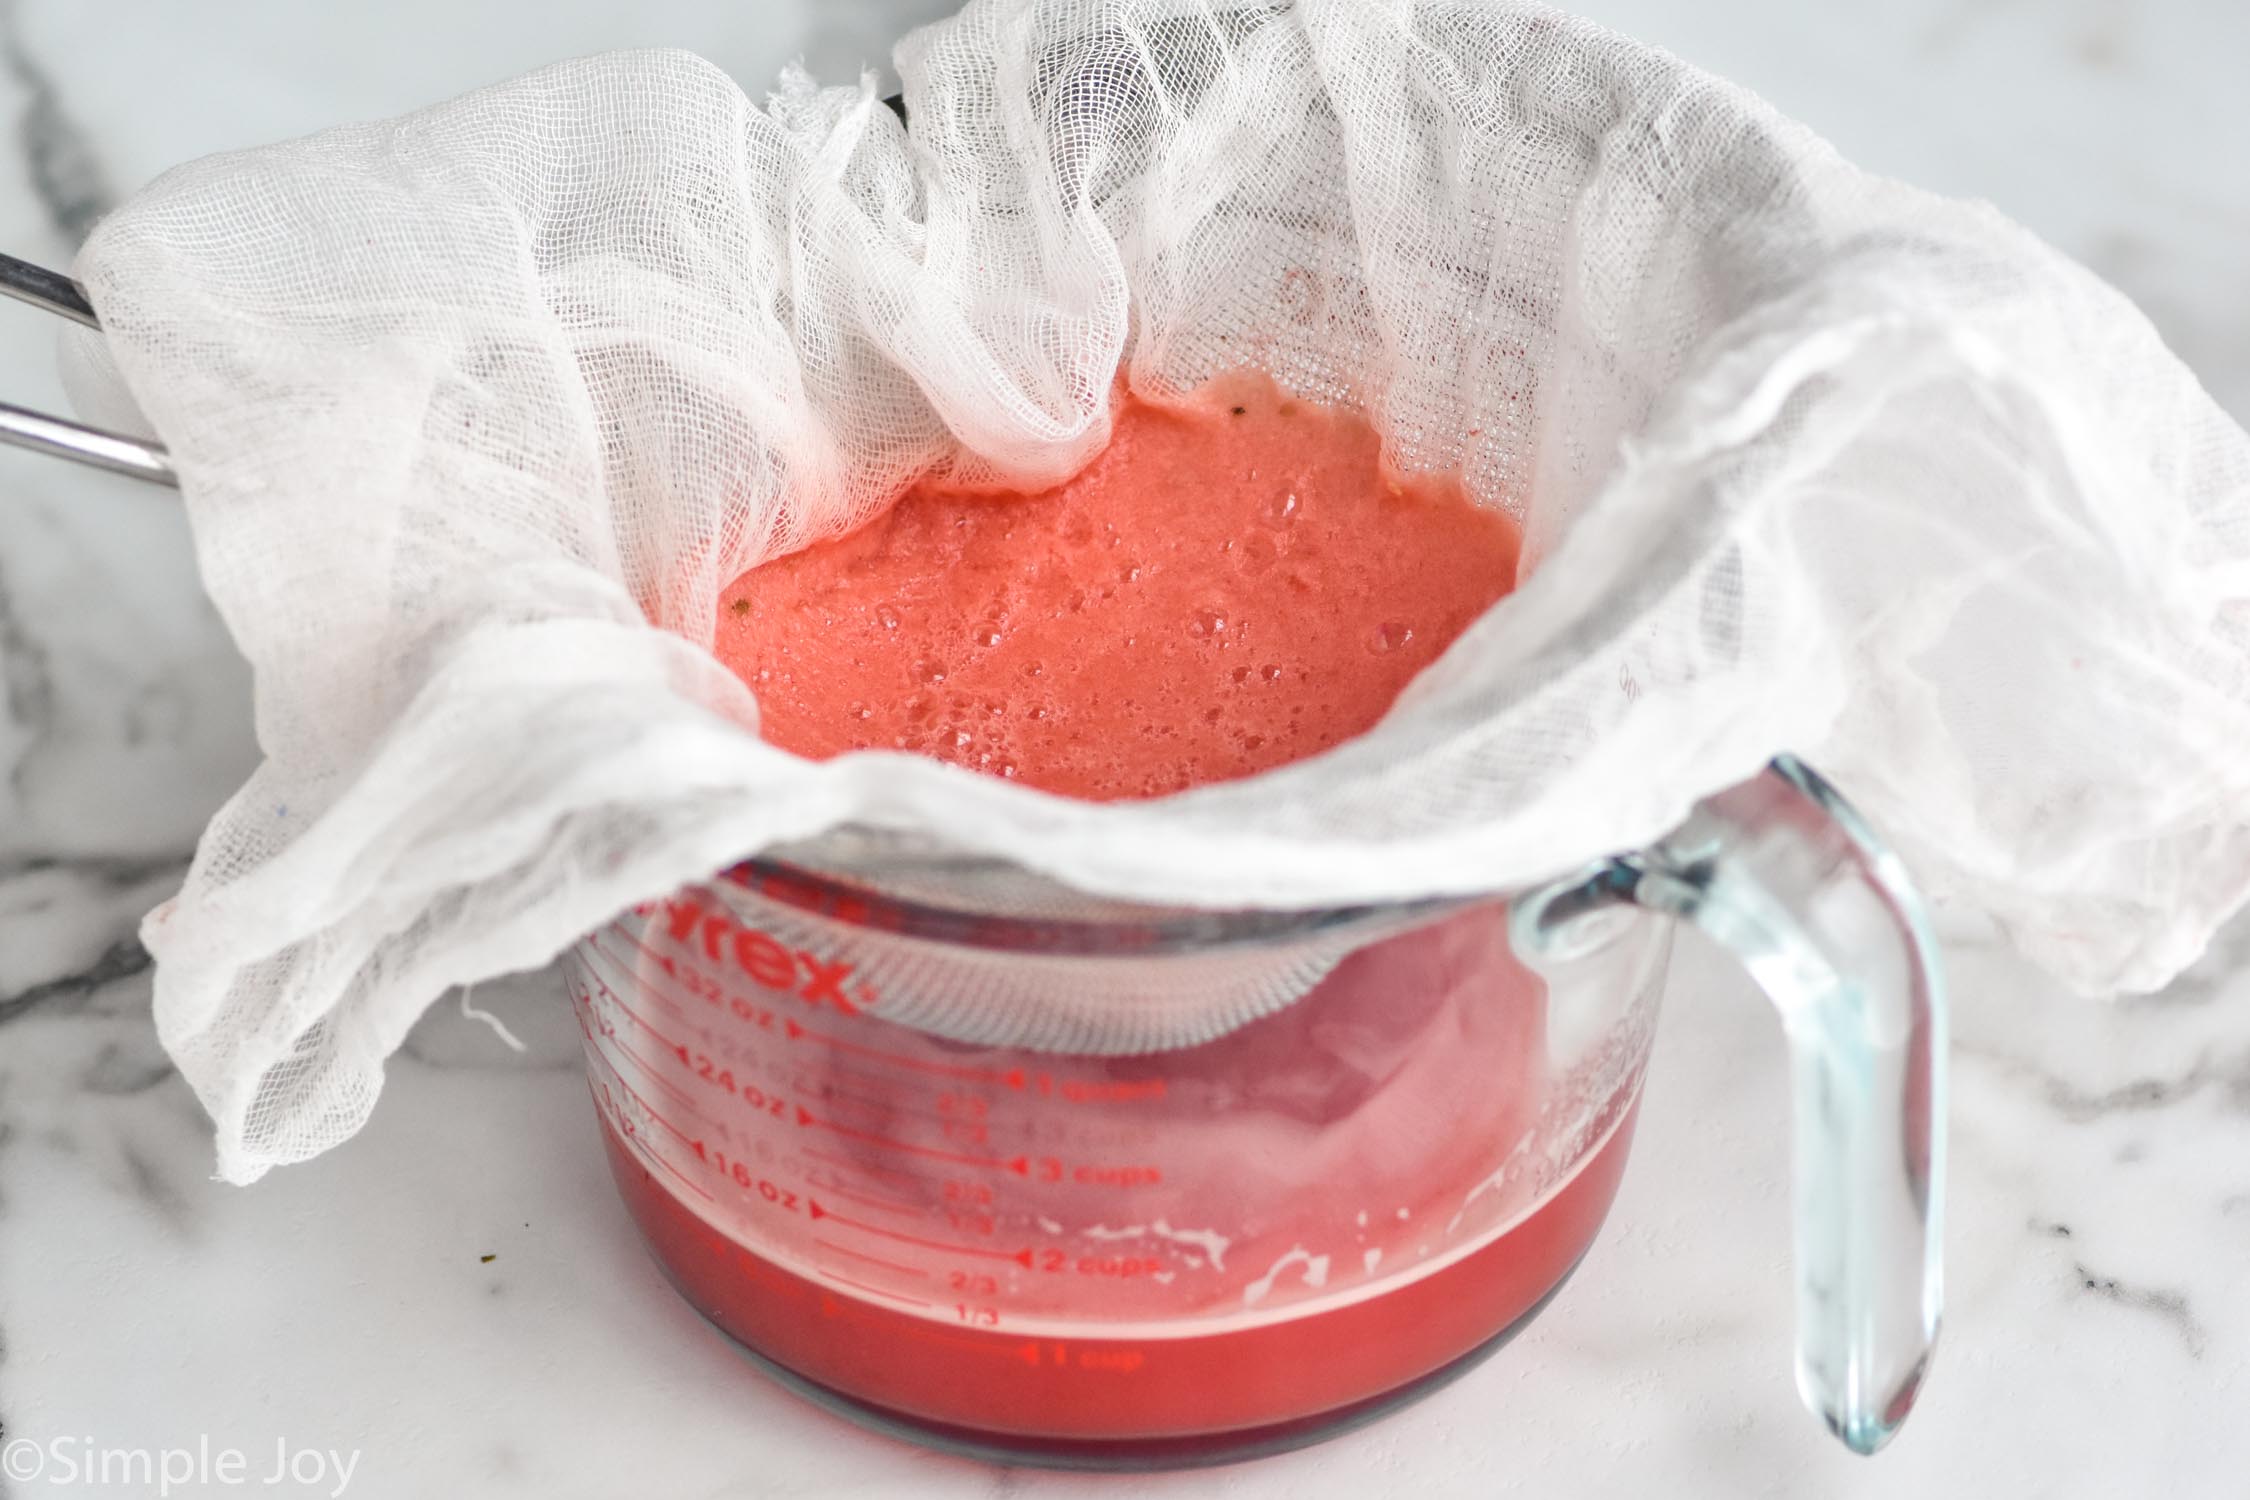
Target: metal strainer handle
column 20, row 427
column 136, row 458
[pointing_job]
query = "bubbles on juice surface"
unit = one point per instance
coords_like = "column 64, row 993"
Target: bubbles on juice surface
column 1216, row 555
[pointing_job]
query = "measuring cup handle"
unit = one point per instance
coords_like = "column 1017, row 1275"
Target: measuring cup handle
column 1782, row 872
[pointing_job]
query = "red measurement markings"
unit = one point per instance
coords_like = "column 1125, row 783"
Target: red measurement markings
column 656, row 1071
column 625, row 971
column 871, row 1168
column 865, row 1200
column 635, row 1016
column 740, row 1173
column 671, row 970
column 1046, row 1085
column 964, row 1120
column 1099, row 1090
column 638, row 1097
column 829, row 1093
column 874, row 1085
column 873, row 1260
column 1021, row 1165
column 586, row 1007
column 873, row 1291
column 729, row 1168
column 765, row 961
column 1027, row 1351
column 705, row 1067
column 713, row 994
column 709, row 1070
column 632, row 1132
column 961, row 1129
column 617, row 999
column 1021, row 1257
column 1013, row 1078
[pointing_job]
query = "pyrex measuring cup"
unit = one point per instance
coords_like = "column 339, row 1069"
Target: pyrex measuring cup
column 1119, row 1186
column 866, row 1136
column 1053, row 1181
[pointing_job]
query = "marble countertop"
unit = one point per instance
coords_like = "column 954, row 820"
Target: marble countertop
column 457, row 1298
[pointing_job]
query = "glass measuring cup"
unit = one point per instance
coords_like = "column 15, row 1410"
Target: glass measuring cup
column 860, row 1145
column 1388, row 1160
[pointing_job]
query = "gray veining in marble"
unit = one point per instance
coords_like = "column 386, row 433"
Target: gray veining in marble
column 64, row 170
column 457, row 1293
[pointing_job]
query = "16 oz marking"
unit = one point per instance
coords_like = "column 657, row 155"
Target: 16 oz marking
column 734, row 1169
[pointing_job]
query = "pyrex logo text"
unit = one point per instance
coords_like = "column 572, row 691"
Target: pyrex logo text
column 792, row 971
